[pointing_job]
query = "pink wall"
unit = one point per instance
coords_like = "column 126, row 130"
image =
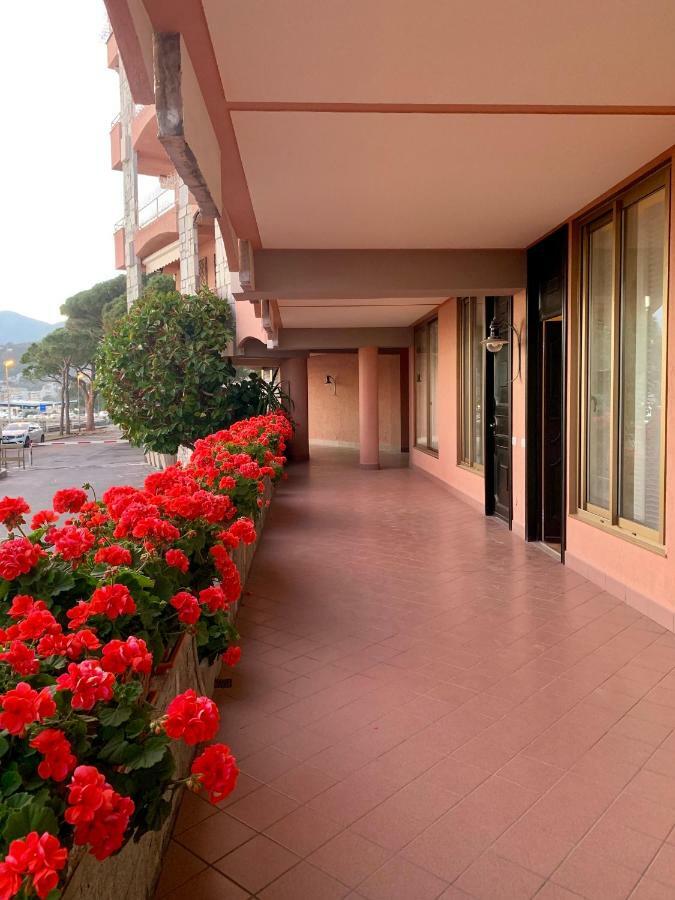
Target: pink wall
column 334, row 417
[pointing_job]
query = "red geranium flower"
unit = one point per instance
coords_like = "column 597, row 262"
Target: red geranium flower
column 58, row 757
column 21, row 658
column 22, row 706
column 43, row 517
column 39, row 856
column 118, row 656
column 71, row 542
column 193, row 718
column 215, row 770
column 18, row 557
column 88, row 682
column 112, row 600
column 214, row 598
column 69, row 500
column 177, row 560
column 114, row 555
column 79, row 642
column 100, row 815
column 12, row 510
column 232, row 656
column 187, row 606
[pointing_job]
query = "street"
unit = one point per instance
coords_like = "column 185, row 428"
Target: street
column 72, row 464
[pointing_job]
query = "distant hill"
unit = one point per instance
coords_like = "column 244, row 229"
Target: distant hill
column 21, row 329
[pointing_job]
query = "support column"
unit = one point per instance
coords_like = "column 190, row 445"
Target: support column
column 294, row 381
column 369, row 416
column 188, row 243
column 130, row 187
column 223, row 279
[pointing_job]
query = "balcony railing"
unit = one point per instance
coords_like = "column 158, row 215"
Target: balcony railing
column 157, row 204
column 138, row 109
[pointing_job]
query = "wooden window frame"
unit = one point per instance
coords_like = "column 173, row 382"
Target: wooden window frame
column 466, row 365
column 613, row 211
column 425, row 328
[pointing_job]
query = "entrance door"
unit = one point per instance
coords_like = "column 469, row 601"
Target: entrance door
column 546, row 428
column 498, row 420
column 552, row 433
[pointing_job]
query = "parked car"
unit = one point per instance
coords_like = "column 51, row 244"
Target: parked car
column 23, row 433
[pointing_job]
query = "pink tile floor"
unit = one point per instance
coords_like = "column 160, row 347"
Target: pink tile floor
column 428, row 707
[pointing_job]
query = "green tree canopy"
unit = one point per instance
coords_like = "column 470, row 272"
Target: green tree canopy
column 164, row 370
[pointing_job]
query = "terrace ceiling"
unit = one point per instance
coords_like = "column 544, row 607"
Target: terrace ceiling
column 439, row 124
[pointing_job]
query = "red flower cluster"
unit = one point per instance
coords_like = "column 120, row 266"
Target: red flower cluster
column 229, row 574
column 58, row 759
column 99, row 814
column 22, row 705
column 12, row 510
column 214, row 598
column 43, row 517
column 18, row 557
column 69, row 500
column 114, row 555
column 187, row 606
column 40, row 857
column 71, row 542
column 21, row 658
column 118, row 656
column 192, row 718
column 112, row 600
column 177, row 560
column 88, row 682
column 215, row 770
column 232, row 656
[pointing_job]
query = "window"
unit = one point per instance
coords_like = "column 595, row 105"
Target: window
column 426, row 385
column 471, row 371
column 624, row 252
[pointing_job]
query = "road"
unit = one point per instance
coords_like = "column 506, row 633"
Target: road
column 73, row 464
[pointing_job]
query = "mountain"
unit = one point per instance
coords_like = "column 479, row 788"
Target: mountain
column 21, row 329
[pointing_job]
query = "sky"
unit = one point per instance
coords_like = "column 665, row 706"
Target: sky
column 60, row 198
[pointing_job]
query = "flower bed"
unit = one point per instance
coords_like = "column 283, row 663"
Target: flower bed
column 99, row 614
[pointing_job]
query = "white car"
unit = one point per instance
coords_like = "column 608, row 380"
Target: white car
column 23, row 433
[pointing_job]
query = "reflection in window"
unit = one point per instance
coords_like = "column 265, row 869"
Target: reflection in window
column 426, row 385
column 623, row 380
column 471, row 333
column 641, row 359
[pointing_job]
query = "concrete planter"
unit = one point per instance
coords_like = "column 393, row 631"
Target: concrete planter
column 160, row 460
column 133, row 873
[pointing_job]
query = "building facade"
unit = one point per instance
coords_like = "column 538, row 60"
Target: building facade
column 450, row 227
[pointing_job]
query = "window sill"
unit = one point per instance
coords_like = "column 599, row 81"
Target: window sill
column 475, row 470
column 644, row 543
column 427, row 450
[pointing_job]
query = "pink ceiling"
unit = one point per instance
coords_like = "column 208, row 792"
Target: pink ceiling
column 617, row 52
column 367, row 180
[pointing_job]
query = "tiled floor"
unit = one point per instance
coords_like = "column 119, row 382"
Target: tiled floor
column 428, row 707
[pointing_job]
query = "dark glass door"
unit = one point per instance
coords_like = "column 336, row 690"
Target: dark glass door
column 552, row 432
column 546, row 425
column 498, row 401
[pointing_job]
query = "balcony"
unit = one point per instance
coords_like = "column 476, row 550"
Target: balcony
column 118, row 238
column 157, row 223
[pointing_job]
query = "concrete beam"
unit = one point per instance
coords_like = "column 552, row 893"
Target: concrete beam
column 170, row 69
column 372, row 274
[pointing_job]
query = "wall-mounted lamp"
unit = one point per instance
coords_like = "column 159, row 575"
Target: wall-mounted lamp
column 494, row 342
column 330, row 379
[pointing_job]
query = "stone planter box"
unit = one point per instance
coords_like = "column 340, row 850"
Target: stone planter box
column 160, row 460
column 133, row 873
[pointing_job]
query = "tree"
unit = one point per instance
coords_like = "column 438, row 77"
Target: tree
column 90, row 314
column 164, row 370
column 51, row 359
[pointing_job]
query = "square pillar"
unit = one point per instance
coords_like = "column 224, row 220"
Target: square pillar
column 369, row 414
column 293, row 375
